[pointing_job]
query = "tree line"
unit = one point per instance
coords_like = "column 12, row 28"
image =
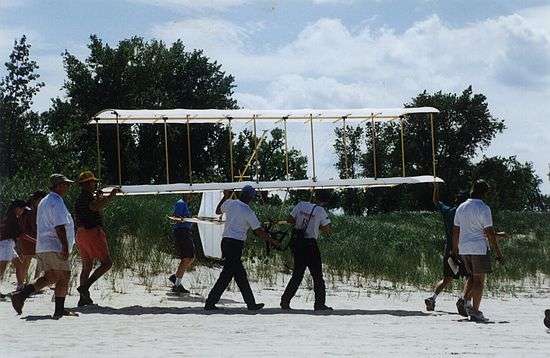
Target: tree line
column 138, row 74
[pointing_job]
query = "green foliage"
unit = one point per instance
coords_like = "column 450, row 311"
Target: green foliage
column 463, row 128
column 21, row 141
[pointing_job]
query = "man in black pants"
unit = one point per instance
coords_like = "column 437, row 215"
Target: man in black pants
column 308, row 218
column 239, row 218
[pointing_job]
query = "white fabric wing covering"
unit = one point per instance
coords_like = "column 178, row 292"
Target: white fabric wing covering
column 152, row 116
column 307, row 184
column 210, row 233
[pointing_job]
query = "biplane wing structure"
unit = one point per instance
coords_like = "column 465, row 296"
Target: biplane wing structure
column 281, row 185
column 211, row 226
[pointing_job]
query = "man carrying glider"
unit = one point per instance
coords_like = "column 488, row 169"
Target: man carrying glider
column 448, row 215
column 308, row 219
column 472, row 233
column 239, row 218
column 54, row 242
column 185, row 249
column 90, row 237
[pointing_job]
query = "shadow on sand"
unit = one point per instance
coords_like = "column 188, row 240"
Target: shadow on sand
column 141, row 310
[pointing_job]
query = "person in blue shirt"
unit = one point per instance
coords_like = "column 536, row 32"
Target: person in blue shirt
column 185, row 248
column 448, row 215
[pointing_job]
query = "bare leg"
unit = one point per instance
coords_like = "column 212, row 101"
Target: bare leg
column 467, row 294
column 62, row 284
column 3, row 265
column 19, row 273
column 442, row 284
column 477, row 289
column 25, row 263
column 184, row 265
column 87, row 266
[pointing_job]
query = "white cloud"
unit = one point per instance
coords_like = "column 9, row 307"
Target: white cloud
column 328, row 65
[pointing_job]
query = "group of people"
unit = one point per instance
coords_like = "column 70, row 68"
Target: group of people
column 44, row 228
column 470, row 235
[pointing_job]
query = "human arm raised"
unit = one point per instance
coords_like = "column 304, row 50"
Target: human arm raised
column 226, row 195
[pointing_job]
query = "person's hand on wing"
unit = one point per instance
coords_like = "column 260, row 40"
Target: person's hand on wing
column 227, row 193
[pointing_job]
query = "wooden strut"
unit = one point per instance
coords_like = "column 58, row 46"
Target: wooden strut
column 247, row 166
column 98, row 149
column 373, row 131
column 312, row 146
column 189, row 151
column 256, row 150
column 433, row 145
column 118, row 151
column 344, row 138
column 286, row 152
column 402, row 147
column 166, row 152
column 231, row 150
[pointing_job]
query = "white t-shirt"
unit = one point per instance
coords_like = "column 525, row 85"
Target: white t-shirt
column 238, row 219
column 52, row 212
column 319, row 217
column 473, row 217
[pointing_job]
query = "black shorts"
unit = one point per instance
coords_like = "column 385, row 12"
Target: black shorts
column 185, row 248
column 448, row 272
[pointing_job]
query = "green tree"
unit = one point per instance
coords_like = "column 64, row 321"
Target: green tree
column 463, row 128
column 22, row 144
column 139, row 74
column 514, row 185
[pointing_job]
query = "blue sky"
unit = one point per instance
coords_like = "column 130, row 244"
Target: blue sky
column 328, row 53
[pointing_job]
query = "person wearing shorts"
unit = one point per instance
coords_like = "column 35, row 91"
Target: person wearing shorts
column 90, row 237
column 26, row 241
column 183, row 242
column 54, row 242
column 448, row 214
column 9, row 231
column 472, row 233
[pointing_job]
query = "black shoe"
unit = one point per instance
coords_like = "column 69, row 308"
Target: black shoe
column 84, row 301
column 430, row 304
column 547, row 318
column 255, row 306
column 460, row 307
column 85, row 298
column 322, row 308
column 285, row 306
column 172, row 279
column 18, row 301
column 66, row 312
column 211, row 307
column 180, row 289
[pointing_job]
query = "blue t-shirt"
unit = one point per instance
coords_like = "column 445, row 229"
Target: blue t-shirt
column 448, row 214
column 182, row 210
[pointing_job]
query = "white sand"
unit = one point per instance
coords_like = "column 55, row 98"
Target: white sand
column 138, row 323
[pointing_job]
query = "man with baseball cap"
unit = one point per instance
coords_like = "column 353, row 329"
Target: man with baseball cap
column 54, row 242
column 239, row 217
column 90, row 237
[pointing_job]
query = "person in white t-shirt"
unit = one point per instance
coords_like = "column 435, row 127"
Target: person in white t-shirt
column 239, row 218
column 472, row 233
column 54, row 242
column 308, row 219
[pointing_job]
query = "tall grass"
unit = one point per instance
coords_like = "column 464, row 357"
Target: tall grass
column 403, row 248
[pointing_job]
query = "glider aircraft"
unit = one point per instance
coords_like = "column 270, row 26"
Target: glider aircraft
column 209, row 224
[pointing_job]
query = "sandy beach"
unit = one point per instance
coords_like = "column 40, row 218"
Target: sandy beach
column 138, row 320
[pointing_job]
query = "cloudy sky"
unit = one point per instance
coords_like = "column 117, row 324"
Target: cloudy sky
column 328, row 53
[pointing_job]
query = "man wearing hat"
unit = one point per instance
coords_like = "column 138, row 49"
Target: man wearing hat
column 54, row 242
column 239, row 217
column 90, row 237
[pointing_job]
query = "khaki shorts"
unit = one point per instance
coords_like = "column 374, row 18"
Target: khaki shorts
column 477, row 264
column 53, row 261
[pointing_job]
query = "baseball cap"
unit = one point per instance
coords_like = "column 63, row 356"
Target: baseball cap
column 249, row 191
column 56, row 179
